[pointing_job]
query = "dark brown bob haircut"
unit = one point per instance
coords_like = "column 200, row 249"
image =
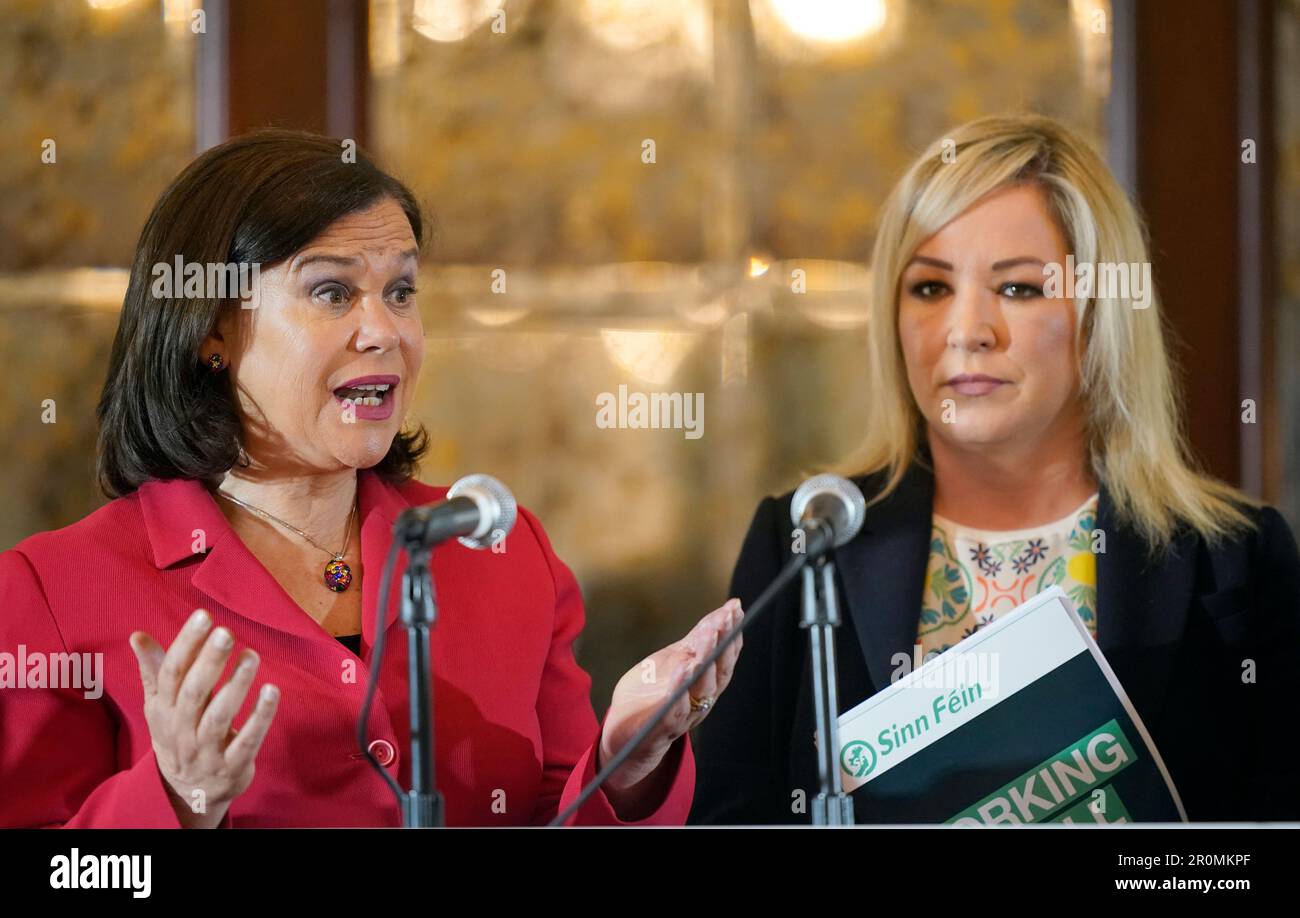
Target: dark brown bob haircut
column 256, row 199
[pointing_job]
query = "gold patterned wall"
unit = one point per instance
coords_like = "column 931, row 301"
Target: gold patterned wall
column 773, row 148
column 527, row 142
column 665, row 195
column 97, row 103
column 113, row 89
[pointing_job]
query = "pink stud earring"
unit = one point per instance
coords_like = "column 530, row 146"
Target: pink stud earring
column 215, row 363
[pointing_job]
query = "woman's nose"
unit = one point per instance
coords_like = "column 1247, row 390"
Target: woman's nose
column 973, row 320
column 376, row 329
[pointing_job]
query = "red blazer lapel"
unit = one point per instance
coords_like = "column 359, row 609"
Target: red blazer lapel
column 381, row 505
column 183, row 520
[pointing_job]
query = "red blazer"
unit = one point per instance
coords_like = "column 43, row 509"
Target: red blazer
column 516, row 736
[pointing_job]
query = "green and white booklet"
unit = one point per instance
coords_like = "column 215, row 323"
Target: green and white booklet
column 1022, row 722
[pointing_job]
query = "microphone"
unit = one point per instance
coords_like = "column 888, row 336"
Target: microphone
column 479, row 511
column 829, row 510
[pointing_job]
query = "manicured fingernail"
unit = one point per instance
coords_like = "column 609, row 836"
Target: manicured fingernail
column 199, row 619
column 221, row 637
column 269, row 692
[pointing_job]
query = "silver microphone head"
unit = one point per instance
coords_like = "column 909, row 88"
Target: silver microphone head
column 834, row 499
column 496, row 505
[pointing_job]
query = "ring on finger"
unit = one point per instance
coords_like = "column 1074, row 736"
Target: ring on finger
column 701, row 704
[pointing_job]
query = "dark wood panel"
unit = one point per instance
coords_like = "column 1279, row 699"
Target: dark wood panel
column 1187, row 165
column 291, row 63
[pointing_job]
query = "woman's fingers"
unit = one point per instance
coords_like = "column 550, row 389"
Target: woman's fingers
column 635, row 699
column 726, row 664
column 181, row 655
column 721, row 617
column 196, row 687
column 190, row 723
column 243, row 748
column 712, row 681
column 705, row 685
column 702, row 639
column 215, row 724
column 149, row 654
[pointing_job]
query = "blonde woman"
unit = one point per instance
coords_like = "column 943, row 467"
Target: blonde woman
column 1010, row 426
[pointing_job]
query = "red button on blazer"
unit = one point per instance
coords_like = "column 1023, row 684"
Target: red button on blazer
column 516, row 734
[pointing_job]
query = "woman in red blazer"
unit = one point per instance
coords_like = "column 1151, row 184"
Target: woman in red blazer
column 246, row 435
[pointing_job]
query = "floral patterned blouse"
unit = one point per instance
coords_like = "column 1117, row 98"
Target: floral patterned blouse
column 975, row 575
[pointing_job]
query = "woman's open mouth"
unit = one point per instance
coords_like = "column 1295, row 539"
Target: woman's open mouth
column 370, row 397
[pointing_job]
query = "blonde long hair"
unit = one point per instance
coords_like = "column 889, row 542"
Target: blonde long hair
column 1135, row 438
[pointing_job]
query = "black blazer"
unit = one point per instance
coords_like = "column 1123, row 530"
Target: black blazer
column 1177, row 631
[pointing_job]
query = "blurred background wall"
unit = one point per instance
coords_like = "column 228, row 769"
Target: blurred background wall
column 672, row 195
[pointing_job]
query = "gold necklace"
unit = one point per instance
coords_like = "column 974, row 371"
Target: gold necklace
column 338, row 576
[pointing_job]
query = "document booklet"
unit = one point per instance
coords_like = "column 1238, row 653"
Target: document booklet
column 1022, row 722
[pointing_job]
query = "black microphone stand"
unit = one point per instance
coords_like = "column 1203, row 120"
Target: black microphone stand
column 821, row 616
column 418, row 531
column 819, row 541
column 422, row 804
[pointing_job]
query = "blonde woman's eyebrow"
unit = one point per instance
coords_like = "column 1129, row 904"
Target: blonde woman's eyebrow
column 996, row 266
column 932, row 262
column 1021, row 260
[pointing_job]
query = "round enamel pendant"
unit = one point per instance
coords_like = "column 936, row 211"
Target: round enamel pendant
column 338, row 576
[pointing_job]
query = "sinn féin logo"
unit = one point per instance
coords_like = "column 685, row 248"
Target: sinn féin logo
column 858, row 758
